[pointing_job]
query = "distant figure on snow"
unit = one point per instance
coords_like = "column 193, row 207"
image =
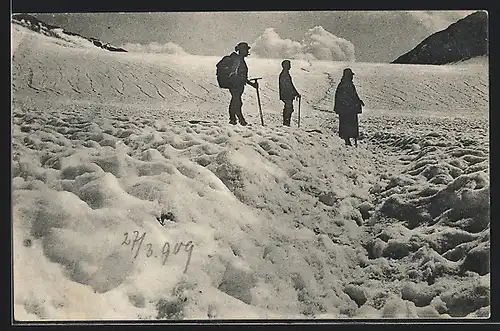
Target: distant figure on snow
column 232, row 73
column 348, row 106
column 287, row 91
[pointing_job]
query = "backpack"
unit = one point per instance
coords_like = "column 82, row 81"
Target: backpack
column 223, row 72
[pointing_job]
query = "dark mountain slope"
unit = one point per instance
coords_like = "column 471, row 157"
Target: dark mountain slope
column 462, row 40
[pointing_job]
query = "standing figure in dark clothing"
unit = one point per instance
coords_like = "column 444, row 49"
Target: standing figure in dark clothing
column 287, row 91
column 348, row 106
column 239, row 78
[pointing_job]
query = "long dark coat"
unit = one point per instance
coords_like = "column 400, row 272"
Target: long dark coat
column 347, row 106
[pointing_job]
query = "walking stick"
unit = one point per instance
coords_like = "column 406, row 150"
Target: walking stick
column 300, row 98
column 258, row 100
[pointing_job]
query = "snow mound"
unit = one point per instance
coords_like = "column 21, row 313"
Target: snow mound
column 84, row 208
column 252, row 222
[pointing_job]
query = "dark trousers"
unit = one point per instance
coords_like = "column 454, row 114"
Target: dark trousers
column 287, row 112
column 236, row 104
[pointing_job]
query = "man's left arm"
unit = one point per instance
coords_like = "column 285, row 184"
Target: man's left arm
column 295, row 92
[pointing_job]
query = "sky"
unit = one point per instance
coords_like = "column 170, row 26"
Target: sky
column 362, row 36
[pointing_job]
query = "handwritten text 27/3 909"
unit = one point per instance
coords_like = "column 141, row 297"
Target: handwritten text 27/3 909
column 166, row 250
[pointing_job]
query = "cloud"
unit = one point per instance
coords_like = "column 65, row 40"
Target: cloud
column 271, row 45
column 154, row 47
column 317, row 44
column 325, row 46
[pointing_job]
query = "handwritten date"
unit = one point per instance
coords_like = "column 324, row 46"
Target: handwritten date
column 166, row 251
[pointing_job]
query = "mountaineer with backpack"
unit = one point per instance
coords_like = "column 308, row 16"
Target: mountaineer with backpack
column 232, row 74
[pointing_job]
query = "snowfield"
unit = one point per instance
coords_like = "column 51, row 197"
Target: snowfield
column 260, row 221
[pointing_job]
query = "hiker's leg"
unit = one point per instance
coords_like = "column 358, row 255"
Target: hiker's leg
column 356, row 142
column 284, row 112
column 233, row 106
column 347, row 141
column 290, row 112
column 288, row 116
column 287, row 112
column 239, row 114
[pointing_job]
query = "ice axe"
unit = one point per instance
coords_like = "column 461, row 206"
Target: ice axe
column 258, row 100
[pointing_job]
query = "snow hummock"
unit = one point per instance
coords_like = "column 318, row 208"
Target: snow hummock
column 124, row 209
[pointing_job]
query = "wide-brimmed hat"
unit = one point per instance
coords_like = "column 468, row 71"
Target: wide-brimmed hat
column 242, row 45
column 348, row 71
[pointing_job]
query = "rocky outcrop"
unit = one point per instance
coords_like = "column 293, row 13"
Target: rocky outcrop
column 36, row 25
